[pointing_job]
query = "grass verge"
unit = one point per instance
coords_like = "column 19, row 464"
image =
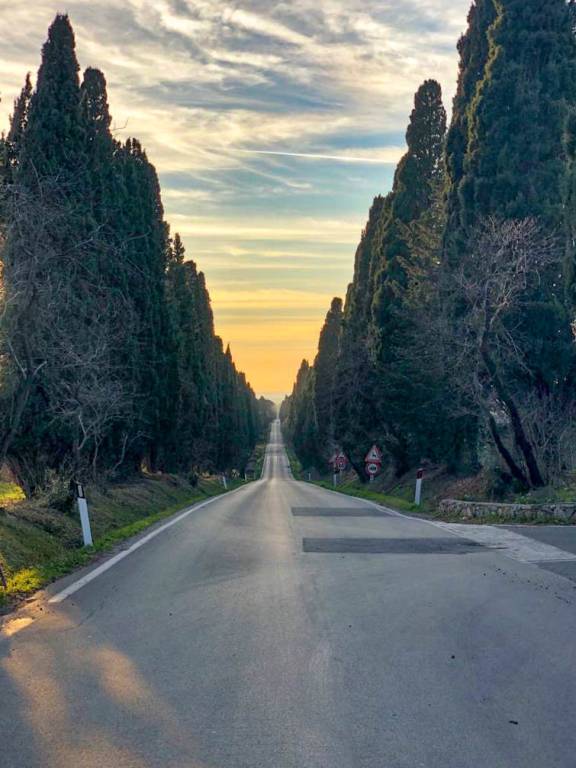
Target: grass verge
column 39, row 545
column 365, row 492
column 259, row 455
column 429, row 511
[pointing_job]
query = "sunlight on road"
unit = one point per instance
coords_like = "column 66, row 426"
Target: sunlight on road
column 52, row 703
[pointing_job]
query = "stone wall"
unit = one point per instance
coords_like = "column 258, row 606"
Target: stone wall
column 476, row 509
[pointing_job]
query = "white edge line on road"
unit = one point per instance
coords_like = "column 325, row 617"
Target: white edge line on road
column 77, row 585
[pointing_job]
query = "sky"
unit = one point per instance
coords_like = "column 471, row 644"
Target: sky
column 272, row 126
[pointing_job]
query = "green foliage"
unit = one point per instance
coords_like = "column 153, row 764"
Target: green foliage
column 325, row 376
column 355, row 387
column 473, row 47
column 516, row 157
column 393, row 331
column 299, row 415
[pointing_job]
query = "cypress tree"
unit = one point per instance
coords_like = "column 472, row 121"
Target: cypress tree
column 325, row 373
column 13, row 140
column 517, row 154
column 144, row 234
column 53, row 143
column 104, row 184
column 301, row 423
column 473, row 47
column 417, row 183
column 354, row 406
column 196, row 419
column 50, row 184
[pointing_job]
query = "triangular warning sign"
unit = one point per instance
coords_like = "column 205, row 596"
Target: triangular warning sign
column 374, row 455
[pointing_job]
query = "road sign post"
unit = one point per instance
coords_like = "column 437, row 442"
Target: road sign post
column 418, row 493
column 84, row 517
column 373, row 462
column 339, row 462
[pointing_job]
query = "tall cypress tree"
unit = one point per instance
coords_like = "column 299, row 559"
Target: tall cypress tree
column 300, row 418
column 104, row 187
column 325, row 374
column 517, row 154
column 53, row 143
column 13, row 140
column 145, row 244
column 473, row 47
column 355, row 387
column 195, row 421
column 417, row 184
column 52, row 250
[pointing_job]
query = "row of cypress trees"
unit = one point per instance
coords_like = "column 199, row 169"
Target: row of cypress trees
column 110, row 362
column 456, row 340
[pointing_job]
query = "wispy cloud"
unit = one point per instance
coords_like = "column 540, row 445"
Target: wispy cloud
column 387, row 156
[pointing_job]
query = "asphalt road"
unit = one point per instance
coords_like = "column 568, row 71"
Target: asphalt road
column 285, row 626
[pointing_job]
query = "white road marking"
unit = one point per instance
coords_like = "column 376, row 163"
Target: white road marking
column 77, row 585
column 513, row 545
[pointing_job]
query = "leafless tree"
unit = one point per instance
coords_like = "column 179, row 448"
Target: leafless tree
column 61, row 327
column 509, row 263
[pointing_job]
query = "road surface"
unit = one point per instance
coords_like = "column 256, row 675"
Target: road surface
column 285, row 626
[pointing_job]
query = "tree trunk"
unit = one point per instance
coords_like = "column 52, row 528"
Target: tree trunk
column 506, row 455
column 21, row 402
column 536, row 479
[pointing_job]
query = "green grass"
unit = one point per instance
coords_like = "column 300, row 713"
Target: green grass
column 259, row 455
column 34, row 557
column 295, row 465
column 10, row 492
column 365, row 492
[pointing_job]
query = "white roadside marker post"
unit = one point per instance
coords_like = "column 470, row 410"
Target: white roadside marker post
column 224, row 483
column 418, row 494
column 84, row 517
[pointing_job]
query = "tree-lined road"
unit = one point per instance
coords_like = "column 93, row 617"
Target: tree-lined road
column 230, row 641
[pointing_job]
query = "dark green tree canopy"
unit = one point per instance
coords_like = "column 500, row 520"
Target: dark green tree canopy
column 325, row 369
column 516, row 158
column 54, row 140
column 474, row 49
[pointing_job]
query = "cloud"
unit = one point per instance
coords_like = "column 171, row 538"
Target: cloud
column 384, row 157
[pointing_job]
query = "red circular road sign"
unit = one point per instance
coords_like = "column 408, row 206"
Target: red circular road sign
column 372, row 468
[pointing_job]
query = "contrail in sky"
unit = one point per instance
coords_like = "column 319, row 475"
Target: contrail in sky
column 339, row 158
